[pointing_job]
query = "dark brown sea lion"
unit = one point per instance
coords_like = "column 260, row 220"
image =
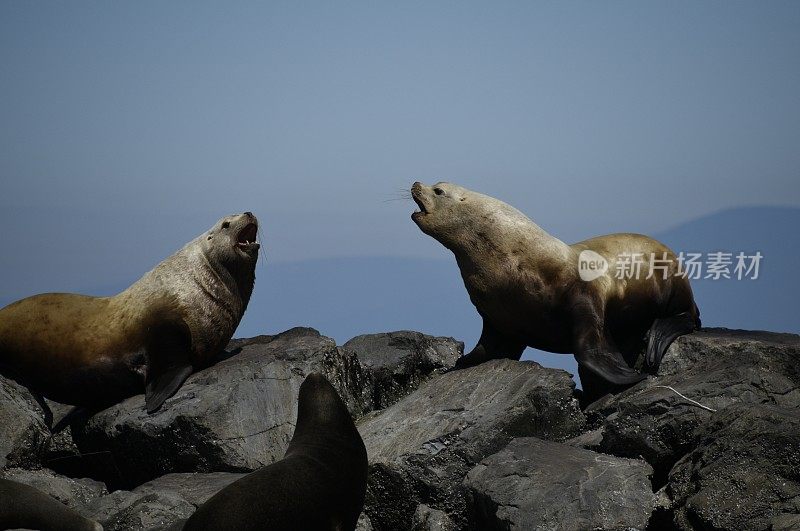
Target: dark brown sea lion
column 528, row 288
column 96, row 351
column 25, row 507
column 318, row 485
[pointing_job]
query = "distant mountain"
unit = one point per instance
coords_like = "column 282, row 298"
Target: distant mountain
column 768, row 303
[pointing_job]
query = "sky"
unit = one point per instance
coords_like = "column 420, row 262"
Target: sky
column 126, row 129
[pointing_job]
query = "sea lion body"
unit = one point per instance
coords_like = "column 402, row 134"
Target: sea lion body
column 95, row 351
column 25, row 507
column 320, row 483
column 526, row 285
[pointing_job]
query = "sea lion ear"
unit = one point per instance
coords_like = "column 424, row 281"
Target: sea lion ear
column 168, row 363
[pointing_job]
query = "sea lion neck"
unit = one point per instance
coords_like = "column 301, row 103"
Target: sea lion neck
column 501, row 237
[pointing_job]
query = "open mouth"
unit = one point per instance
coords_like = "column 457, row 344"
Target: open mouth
column 422, row 210
column 246, row 239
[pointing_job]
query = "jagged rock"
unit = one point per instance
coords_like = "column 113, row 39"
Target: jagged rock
column 238, row 415
column 363, row 523
column 23, row 432
column 421, row 448
column 77, row 494
column 427, row 519
column 745, row 473
column 158, row 503
column 400, row 361
column 536, row 484
column 716, row 367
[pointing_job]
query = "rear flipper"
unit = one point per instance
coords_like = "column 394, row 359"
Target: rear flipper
column 663, row 332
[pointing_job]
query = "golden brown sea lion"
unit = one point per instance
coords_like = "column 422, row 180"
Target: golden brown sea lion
column 527, row 287
column 96, row 351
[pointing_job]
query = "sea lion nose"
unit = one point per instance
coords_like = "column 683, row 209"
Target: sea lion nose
column 248, row 214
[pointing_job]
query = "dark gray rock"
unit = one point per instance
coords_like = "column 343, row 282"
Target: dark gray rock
column 427, row 519
column 536, row 484
column 744, row 474
column 77, row 494
column 158, row 503
column 716, row 367
column 421, row 448
column 24, row 436
column 125, row 510
column 363, row 523
column 238, row 415
column 400, row 361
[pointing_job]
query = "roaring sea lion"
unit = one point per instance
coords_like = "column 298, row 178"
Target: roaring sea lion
column 95, row 351
column 25, row 507
column 318, row 485
column 527, row 287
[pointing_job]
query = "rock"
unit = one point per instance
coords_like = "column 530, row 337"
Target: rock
column 421, row 448
column 235, row 416
column 196, row 488
column 158, row 503
column 239, row 414
column 125, row 510
column 400, row 361
column 427, row 519
column 539, row 484
column 77, row 494
column 363, row 523
column 716, row 367
column 744, row 474
column 23, row 433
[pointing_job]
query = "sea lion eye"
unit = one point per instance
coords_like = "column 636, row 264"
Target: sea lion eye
column 438, row 191
column 226, row 224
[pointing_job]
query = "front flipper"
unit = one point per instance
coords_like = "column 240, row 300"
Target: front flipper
column 609, row 364
column 663, row 332
column 595, row 352
column 492, row 345
column 168, row 363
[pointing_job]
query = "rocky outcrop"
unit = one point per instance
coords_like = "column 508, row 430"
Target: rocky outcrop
column 717, row 368
column 23, row 433
column 76, row 493
column 158, row 503
column 239, row 414
column 536, row 484
column 421, row 448
column 744, row 473
column 712, row 442
column 399, row 361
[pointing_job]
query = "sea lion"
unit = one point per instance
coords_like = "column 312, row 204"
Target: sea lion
column 318, row 485
column 527, row 287
column 25, row 507
column 95, row 351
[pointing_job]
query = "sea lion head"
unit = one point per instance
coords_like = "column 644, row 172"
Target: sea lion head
column 453, row 215
column 232, row 243
column 441, row 209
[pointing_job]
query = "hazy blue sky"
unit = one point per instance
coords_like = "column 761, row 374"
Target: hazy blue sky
column 128, row 128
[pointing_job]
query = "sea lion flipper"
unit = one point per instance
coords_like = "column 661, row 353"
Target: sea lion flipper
column 168, row 363
column 491, row 345
column 663, row 332
column 609, row 364
column 163, row 385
